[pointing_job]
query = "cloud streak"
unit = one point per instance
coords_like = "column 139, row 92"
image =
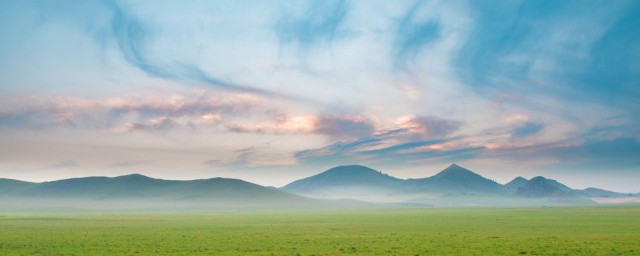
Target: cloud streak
column 412, row 35
column 130, row 112
column 133, row 37
column 526, row 129
column 319, row 24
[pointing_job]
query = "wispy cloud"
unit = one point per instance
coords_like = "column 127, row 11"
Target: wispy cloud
column 427, row 127
column 333, row 126
column 613, row 152
column 526, row 47
column 411, row 138
column 320, row 23
column 126, row 112
column 571, row 155
column 341, row 127
column 413, row 33
column 526, row 129
column 133, row 37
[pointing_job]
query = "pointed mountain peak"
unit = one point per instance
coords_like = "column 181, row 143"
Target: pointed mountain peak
column 457, row 180
column 454, row 166
column 516, row 183
column 455, row 169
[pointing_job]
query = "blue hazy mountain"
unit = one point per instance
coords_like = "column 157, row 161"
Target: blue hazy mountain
column 357, row 180
column 596, row 192
column 454, row 185
column 559, row 185
column 548, row 190
column 454, row 180
column 541, row 187
column 140, row 186
column 349, row 181
column 138, row 192
column 544, row 187
column 9, row 186
column 513, row 185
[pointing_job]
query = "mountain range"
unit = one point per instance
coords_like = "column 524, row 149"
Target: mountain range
column 342, row 186
column 454, row 184
column 137, row 191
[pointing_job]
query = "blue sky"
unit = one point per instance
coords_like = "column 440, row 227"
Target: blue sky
column 272, row 91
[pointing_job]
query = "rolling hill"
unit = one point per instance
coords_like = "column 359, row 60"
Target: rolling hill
column 342, row 186
column 454, row 180
column 541, row 187
column 349, row 181
column 513, row 185
column 596, row 192
column 141, row 192
column 454, row 185
column 139, row 186
column 8, row 186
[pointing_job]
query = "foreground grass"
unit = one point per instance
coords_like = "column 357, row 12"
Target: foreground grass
column 530, row 231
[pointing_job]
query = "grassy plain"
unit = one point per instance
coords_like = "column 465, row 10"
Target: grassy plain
column 457, row 231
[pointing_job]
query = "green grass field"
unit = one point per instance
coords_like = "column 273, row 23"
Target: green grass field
column 530, row 231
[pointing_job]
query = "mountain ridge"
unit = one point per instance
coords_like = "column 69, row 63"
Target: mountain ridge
column 455, row 185
column 516, row 183
column 136, row 191
column 457, row 178
column 344, row 182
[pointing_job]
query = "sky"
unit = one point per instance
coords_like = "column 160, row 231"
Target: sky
column 274, row 91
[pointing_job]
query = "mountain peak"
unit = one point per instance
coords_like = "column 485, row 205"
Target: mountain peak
column 454, row 166
column 354, row 168
column 456, row 179
column 519, row 178
column 541, row 187
column 353, row 172
column 132, row 176
column 516, row 183
column 344, row 176
column 455, row 170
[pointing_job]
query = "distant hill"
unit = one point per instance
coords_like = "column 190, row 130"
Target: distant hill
column 363, row 183
column 349, row 181
column 139, row 186
column 559, row 185
column 138, row 191
column 14, row 186
column 455, row 180
column 134, row 185
column 542, row 187
column 454, row 185
column 515, row 184
column 342, row 186
column 596, row 192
